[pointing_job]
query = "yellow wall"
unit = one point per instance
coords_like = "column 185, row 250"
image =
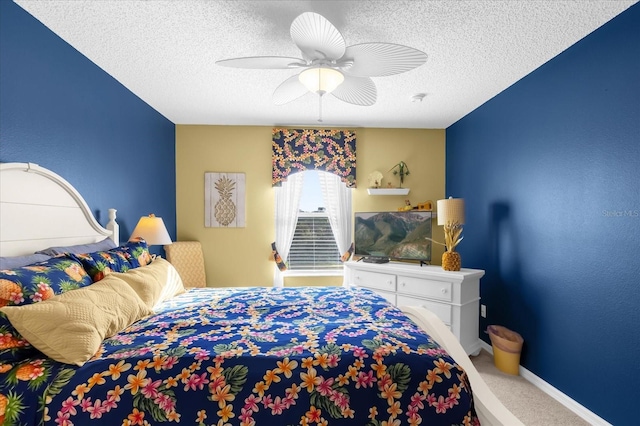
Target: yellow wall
column 240, row 256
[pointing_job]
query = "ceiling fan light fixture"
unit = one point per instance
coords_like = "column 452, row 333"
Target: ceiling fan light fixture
column 321, row 80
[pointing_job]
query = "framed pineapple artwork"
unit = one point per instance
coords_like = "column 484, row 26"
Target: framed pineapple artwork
column 224, row 205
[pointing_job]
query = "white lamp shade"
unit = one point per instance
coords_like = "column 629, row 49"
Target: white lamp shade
column 451, row 210
column 321, row 80
column 152, row 230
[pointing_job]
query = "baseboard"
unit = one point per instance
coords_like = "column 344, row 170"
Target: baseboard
column 554, row 393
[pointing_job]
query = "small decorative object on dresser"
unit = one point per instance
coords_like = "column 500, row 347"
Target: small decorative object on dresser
column 427, row 205
column 407, row 206
column 451, row 216
column 453, row 296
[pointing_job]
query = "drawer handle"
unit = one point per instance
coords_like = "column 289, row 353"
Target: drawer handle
column 403, row 284
column 444, row 291
column 389, row 282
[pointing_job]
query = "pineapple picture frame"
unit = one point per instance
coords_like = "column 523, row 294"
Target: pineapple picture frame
column 224, row 200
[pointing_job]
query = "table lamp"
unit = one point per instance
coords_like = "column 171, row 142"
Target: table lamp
column 151, row 228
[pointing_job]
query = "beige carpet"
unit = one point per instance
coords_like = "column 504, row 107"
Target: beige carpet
column 528, row 403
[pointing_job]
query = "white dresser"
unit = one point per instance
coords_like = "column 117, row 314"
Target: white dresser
column 453, row 296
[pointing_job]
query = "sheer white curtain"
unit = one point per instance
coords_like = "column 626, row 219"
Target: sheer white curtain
column 287, row 203
column 337, row 202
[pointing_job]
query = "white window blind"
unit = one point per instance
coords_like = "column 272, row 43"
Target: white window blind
column 314, row 245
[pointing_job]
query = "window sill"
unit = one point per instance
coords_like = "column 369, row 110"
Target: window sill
column 312, row 273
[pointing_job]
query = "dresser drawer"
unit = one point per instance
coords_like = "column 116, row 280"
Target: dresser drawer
column 442, row 310
column 440, row 290
column 374, row 280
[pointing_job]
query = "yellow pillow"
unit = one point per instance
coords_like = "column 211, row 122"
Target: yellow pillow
column 155, row 282
column 147, row 281
column 71, row 326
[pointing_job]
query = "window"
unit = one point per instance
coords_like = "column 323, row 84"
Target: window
column 313, row 224
column 314, row 246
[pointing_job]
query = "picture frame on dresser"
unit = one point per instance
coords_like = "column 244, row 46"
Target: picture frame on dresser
column 453, row 296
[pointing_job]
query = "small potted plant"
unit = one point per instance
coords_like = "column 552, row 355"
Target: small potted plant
column 401, row 169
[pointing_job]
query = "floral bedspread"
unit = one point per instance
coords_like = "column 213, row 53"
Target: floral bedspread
column 251, row 356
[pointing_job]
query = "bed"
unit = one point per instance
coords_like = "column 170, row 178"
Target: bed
column 226, row 356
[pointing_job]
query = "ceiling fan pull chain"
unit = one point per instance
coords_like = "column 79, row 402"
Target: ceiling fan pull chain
column 320, row 93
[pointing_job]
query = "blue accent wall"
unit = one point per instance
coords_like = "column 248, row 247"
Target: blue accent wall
column 550, row 172
column 61, row 111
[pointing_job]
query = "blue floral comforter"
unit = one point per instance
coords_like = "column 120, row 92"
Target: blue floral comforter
column 251, row 356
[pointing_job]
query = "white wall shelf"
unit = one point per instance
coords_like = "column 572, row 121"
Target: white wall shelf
column 388, row 191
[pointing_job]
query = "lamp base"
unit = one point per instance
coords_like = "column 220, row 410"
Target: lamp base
column 451, row 261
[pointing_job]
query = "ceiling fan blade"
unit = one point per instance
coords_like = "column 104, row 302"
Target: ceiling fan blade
column 316, row 37
column 262, row 62
column 382, row 59
column 290, row 90
column 357, row 90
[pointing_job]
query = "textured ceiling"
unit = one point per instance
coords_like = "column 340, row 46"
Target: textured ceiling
column 165, row 52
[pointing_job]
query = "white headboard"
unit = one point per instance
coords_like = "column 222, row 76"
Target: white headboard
column 39, row 209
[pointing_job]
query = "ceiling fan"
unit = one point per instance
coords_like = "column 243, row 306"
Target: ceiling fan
column 329, row 66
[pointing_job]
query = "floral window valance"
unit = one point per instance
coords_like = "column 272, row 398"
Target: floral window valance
column 296, row 150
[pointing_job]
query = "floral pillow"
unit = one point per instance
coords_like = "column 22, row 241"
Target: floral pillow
column 120, row 259
column 13, row 347
column 33, row 284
